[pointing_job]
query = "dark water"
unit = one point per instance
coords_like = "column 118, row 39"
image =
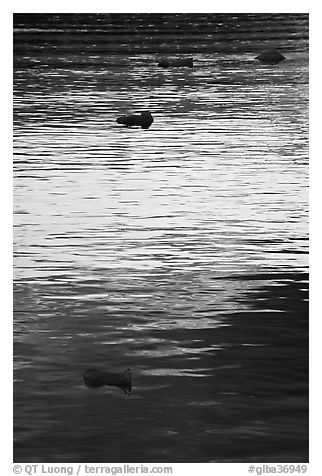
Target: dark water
column 178, row 251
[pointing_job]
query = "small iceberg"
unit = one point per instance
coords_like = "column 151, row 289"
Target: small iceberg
column 96, row 378
column 176, row 62
column 270, row 56
column 144, row 120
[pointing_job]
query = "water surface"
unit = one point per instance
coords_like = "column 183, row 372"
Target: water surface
column 178, row 251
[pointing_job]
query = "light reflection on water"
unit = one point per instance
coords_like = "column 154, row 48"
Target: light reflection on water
column 178, row 251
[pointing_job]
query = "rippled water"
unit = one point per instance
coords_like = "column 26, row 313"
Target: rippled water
column 178, row 251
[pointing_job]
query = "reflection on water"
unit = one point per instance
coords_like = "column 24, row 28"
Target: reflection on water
column 179, row 251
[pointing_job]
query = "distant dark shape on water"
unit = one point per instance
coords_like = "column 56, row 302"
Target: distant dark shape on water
column 176, row 62
column 96, row 378
column 270, row 56
column 144, row 120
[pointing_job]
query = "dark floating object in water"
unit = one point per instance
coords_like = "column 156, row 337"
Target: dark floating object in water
column 144, row 120
column 97, row 378
column 271, row 56
column 173, row 63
